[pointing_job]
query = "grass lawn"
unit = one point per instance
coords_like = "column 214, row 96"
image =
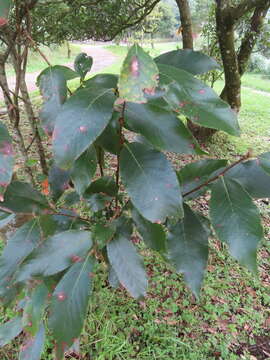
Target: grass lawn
column 57, row 55
column 228, row 322
column 257, row 81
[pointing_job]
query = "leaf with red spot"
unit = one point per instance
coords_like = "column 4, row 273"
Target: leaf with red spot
column 5, row 6
column 52, row 83
column 80, row 121
column 6, row 159
column 69, row 304
column 33, row 346
column 146, row 175
column 55, row 254
column 59, row 181
column 138, row 76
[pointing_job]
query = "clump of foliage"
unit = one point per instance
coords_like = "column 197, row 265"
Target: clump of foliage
column 47, row 266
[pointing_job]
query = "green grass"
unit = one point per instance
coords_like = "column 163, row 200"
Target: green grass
column 57, row 55
column 256, row 81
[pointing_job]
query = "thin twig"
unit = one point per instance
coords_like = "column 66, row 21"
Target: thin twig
column 243, row 158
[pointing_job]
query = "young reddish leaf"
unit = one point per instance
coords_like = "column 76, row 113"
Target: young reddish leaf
column 138, row 76
column 6, row 160
column 45, row 187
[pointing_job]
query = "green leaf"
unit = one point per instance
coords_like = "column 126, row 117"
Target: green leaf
column 5, row 6
column 189, row 96
column 6, row 159
column 5, row 219
column 264, row 162
column 191, row 61
column 188, row 249
column 69, row 303
column 236, row 221
column 84, row 169
column 110, row 138
column 18, row 247
column 97, row 202
column 10, row 330
column 161, row 128
column 34, row 309
column 113, row 278
column 56, row 254
column 252, row 178
column 81, row 120
column 33, row 347
column 197, row 173
column 107, row 81
column 22, row 198
column 153, row 234
column 52, row 83
column 138, row 76
column 126, row 263
column 105, row 185
column 59, row 181
column 150, row 182
column 83, row 63
column 102, row 233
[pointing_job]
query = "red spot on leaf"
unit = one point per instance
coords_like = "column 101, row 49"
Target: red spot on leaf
column 76, row 259
column 202, row 91
column 6, row 148
column 3, row 21
column 158, row 222
column 169, row 186
column 83, row 129
column 134, row 66
column 192, row 146
column 1, row 198
column 61, row 296
column 150, row 91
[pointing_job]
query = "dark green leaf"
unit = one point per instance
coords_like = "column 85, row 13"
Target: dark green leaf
column 264, row 162
column 56, row 254
column 59, row 181
column 6, row 159
column 105, row 185
column 103, row 233
column 71, row 198
column 83, row 64
column 33, row 347
column 10, row 330
column 107, row 81
column 113, row 278
column 191, row 61
column 236, row 220
column 5, row 219
column 19, row 246
column 81, row 120
column 188, row 249
column 110, row 138
column 84, row 169
column 150, row 182
column 252, row 178
column 126, row 263
column 161, row 128
column 197, row 173
column 34, row 309
column 153, row 234
column 69, row 303
column 52, row 83
column 191, row 97
column 138, row 76
column 97, row 202
column 22, row 198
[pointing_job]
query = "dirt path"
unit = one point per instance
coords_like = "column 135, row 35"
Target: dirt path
column 260, row 92
column 102, row 58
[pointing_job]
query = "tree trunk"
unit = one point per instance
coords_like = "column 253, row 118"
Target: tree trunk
column 186, row 23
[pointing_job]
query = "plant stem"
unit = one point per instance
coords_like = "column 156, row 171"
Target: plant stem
column 243, row 158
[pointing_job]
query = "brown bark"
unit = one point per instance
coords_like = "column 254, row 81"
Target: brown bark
column 186, row 23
